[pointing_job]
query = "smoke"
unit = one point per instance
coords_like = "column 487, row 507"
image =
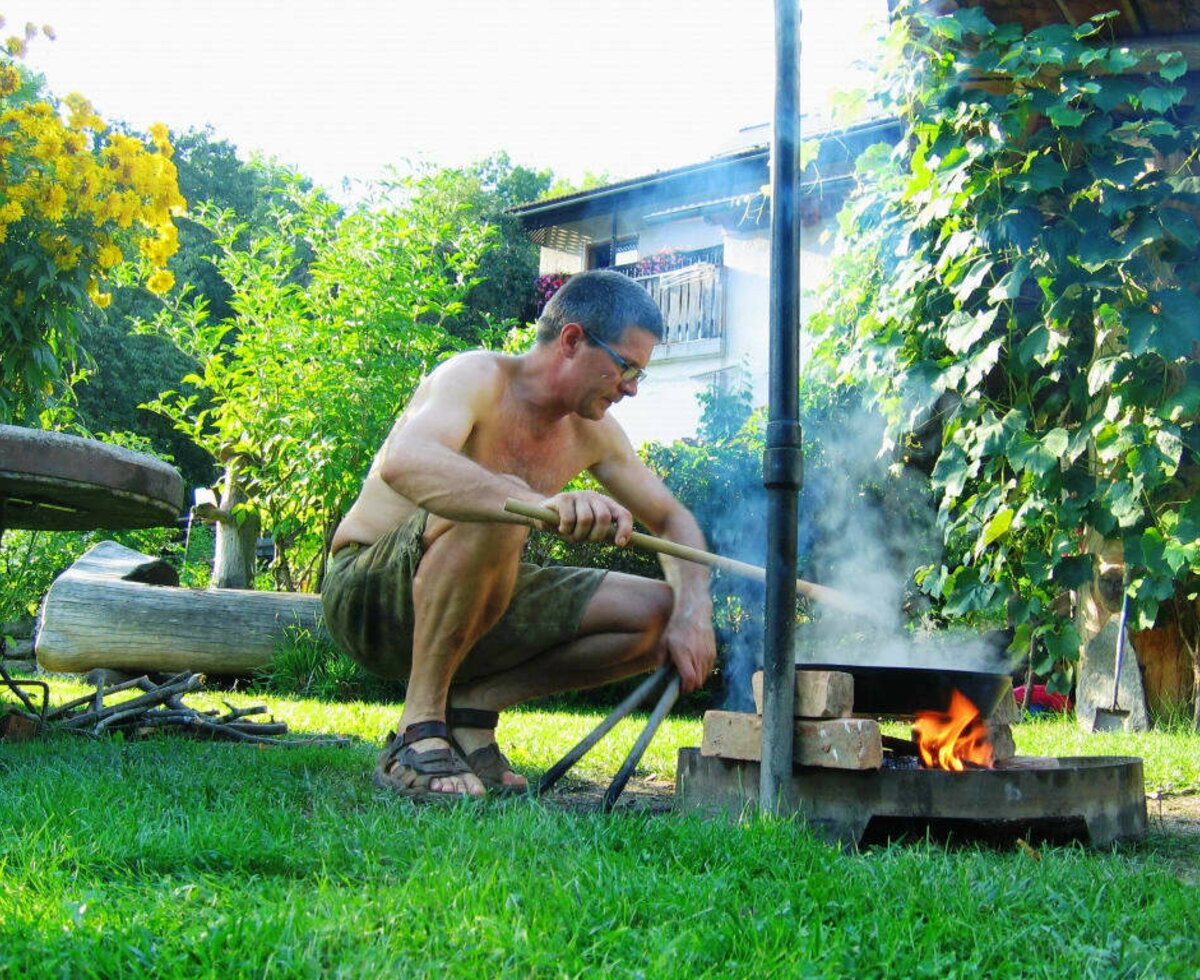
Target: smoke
column 863, row 530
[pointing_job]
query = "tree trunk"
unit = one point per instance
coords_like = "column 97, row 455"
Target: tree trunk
column 117, row 608
column 234, row 555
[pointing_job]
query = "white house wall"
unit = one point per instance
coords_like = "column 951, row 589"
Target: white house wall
column 667, row 407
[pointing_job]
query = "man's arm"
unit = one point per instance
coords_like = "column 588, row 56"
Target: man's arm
column 688, row 638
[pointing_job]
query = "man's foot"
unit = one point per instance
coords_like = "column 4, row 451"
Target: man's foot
column 474, row 734
column 424, row 763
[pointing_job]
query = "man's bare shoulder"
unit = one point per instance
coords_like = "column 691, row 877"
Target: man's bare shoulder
column 605, row 438
column 478, row 366
column 469, row 377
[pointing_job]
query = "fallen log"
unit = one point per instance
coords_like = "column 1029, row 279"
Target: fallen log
column 120, row 609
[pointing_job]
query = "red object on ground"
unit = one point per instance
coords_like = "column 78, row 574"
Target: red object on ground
column 1043, row 700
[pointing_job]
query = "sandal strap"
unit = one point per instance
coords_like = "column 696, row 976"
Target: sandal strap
column 425, row 729
column 472, row 718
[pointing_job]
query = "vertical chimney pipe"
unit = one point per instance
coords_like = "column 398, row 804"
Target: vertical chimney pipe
column 783, row 459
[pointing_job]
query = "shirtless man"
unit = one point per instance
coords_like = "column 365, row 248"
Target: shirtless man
column 426, row 582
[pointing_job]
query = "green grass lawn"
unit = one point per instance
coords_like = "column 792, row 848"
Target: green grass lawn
column 170, row 857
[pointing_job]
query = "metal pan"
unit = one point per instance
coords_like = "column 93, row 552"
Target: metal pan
column 901, row 676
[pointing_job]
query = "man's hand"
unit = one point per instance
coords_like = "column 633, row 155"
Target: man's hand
column 689, row 642
column 585, row 515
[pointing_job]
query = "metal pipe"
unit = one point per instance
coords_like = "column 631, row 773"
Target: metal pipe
column 665, row 703
column 782, row 460
column 636, row 697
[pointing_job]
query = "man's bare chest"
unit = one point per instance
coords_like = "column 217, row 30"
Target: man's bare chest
column 545, row 457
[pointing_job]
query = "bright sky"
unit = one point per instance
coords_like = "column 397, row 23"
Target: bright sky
column 343, row 89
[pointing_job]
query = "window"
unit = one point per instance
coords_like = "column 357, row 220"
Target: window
column 600, row 255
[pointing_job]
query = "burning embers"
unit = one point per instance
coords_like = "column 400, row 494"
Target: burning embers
column 955, row 739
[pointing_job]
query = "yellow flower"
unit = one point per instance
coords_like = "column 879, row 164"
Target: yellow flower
column 10, row 79
column 53, row 203
column 109, row 256
column 160, row 282
column 102, row 300
column 15, row 46
column 161, row 137
column 12, row 211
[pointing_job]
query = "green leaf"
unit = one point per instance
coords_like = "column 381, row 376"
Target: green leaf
column 1055, row 442
column 1188, row 528
column 1065, row 644
column 1028, row 453
column 1064, row 116
column 1100, row 374
column 973, row 279
column 996, row 528
column 1043, row 173
column 968, row 594
column 951, row 470
column 1124, row 503
column 964, row 329
column 1161, row 99
column 1172, row 65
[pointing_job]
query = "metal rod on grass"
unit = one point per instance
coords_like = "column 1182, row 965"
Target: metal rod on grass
column 665, row 703
column 638, row 695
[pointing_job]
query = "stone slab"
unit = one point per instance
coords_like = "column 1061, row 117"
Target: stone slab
column 1094, row 685
column 819, row 693
column 837, row 743
column 55, row 481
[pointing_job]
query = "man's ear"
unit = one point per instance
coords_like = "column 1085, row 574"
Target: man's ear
column 571, row 339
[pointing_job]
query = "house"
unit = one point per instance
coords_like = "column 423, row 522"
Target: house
column 698, row 238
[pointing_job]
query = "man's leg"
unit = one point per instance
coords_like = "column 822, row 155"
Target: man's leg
column 618, row 637
column 461, row 589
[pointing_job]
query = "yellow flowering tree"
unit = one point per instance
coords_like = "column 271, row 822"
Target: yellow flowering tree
column 83, row 207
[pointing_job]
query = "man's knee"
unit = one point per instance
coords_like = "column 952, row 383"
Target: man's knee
column 630, row 604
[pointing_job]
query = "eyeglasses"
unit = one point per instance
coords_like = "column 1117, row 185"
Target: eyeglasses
column 629, row 372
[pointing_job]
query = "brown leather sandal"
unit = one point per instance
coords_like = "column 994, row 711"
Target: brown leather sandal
column 487, row 762
column 407, row 772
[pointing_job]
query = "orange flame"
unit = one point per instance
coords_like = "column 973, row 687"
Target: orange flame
column 950, row 739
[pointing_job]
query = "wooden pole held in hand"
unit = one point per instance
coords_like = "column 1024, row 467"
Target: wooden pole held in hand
column 648, row 542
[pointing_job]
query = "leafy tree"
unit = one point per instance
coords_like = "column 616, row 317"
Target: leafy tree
column 129, row 370
column 1018, row 283
column 82, row 206
column 334, row 321
column 503, row 294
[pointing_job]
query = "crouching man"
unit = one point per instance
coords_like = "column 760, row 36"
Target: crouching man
column 426, row 582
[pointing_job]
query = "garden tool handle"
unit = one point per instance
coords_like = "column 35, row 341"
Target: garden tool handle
column 648, row 542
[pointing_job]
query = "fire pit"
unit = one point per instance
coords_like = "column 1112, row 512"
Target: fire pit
column 956, row 776
column 1098, row 798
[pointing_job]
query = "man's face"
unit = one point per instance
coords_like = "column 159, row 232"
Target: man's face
column 613, row 373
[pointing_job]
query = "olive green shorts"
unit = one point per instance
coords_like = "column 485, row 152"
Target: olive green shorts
column 368, row 601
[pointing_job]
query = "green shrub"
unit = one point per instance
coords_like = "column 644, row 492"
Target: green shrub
column 308, row 664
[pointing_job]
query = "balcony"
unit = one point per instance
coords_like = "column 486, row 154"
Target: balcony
column 690, row 293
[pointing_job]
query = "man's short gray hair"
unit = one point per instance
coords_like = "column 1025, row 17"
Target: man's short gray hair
column 604, row 303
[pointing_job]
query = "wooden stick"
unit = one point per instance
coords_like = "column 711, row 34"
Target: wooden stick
column 648, row 542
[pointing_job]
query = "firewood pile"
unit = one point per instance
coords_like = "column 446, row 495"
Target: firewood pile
column 159, row 706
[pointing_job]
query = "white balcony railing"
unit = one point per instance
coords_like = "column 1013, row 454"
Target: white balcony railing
column 692, row 303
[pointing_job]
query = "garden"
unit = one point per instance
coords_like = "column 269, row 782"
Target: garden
column 1011, row 316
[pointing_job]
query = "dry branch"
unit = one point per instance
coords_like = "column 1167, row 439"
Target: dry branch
column 161, row 706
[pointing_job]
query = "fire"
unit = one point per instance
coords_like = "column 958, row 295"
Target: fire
column 951, row 739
